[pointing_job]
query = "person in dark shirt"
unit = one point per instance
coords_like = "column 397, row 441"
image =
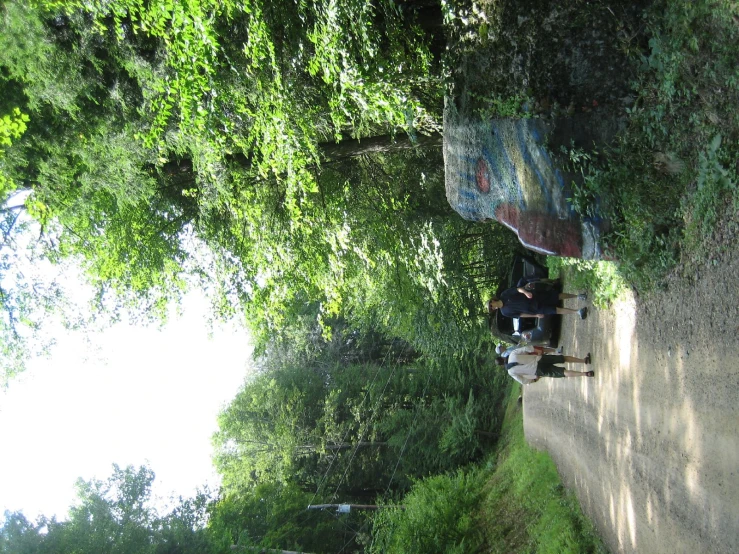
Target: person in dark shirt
column 527, row 300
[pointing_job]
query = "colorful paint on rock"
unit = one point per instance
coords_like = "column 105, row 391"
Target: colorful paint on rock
column 499, row 170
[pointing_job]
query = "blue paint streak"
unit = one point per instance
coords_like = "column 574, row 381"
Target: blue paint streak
column 511, row 170
column 528, row 158
column 469, row 177
column 469, row 194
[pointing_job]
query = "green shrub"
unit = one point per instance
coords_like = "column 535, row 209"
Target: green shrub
column 602, row 279
column 714, row 183
column 664, row 183
column 439, row 516
column 525, row 507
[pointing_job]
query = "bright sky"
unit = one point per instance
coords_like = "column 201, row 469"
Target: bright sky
column 138, row 395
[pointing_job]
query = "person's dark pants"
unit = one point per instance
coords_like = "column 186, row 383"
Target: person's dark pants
column 548, row 301
column 547, row 367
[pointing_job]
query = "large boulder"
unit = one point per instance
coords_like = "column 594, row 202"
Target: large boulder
column 568, row 61
column 501, row 170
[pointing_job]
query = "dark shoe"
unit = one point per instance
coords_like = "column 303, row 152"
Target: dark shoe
column 583, row 313
column 590, row 374
column 587, row 358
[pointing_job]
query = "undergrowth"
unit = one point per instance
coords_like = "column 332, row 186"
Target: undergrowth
column 513, row 503
column 661, row 76
column 525, row 507
column 602, row 278
column 673, row 170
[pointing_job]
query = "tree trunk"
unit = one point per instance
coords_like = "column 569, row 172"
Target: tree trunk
column 351, row 148
column 178, row 174
column 345, row 445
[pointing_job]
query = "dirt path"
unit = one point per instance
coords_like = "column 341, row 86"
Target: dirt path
column 651, row 444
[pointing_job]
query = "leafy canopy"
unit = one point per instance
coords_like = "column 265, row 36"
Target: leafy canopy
column 156, row 128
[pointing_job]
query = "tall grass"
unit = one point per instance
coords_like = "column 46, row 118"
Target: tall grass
column 602, row 278
column 525, row 508
column 514, row 502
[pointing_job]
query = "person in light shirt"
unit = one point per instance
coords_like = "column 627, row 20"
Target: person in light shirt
column 526, row 366
column 505, row 352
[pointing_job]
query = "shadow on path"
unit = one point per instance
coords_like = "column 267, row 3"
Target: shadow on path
column 650, row 445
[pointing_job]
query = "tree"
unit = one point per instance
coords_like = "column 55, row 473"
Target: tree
column 114, row 516
column 274, row 515
column 20, row 536
column 183, row 529
column 283, row 426
column 152, row 124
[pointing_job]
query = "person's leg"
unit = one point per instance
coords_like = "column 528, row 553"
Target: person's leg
column 567, row 296
column 551, row 308
column 552, row 371
column 552, row 359
column 574, row 360
column 582, row 312
column 557, row 372
column 547, row 367
column 570, row 373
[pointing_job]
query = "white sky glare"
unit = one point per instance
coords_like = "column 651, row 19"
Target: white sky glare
column 142, row 395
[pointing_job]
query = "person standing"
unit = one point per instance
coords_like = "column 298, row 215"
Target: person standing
column 524, row 300
column 505, row 352
column 526, row 366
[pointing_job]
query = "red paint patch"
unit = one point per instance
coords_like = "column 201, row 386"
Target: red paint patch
column 482, row 177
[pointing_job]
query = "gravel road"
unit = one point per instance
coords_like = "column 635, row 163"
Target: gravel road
column 651, row 444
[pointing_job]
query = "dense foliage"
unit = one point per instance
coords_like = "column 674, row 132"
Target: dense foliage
column 672, row 175
column 285, row 157
column 165, row 147
column 514, row 502
column 116, row 516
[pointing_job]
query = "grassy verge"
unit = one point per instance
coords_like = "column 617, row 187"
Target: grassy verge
column 602, row 279
column 514, row 503
column 525, row 508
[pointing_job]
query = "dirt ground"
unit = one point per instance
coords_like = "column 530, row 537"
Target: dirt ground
column 651, row 444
